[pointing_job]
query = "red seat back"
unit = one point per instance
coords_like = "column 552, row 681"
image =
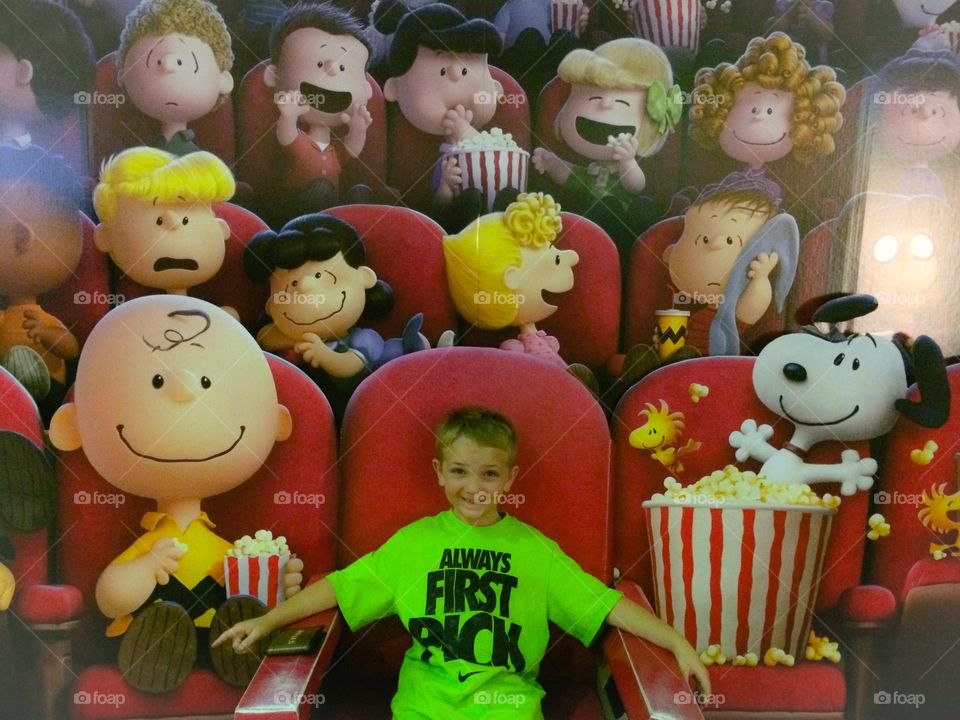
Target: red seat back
column 405, row 250
column 898, row 495
column 118, row 127
column 388, row 433
column 731, row 399
column 261, row 162
column 587, row 321
column 19, row 414
column 230, row 286
column 300, row 468
column 413, row 153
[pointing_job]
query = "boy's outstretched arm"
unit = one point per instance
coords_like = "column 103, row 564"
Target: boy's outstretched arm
column 309, row 601
column 628, row 615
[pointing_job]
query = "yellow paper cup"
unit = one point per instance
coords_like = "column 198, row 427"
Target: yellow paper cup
column 671, row 330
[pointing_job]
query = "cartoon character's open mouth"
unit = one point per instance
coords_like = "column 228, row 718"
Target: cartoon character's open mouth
column 243, row 429
column 816, row 424
column 343, row 300
column 168, row 263
column 328, row 101
column 598, row 133
column 747, row 142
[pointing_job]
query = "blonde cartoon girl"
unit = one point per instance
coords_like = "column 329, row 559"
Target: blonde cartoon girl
column 499, row 266
column 770, row 104
column 622, row 106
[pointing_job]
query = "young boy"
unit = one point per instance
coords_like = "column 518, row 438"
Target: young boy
column 473, row 630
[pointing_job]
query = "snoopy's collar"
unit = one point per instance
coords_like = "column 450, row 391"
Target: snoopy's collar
column 795, row 449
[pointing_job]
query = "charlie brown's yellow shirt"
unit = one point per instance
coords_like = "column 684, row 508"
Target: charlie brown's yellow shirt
column 204, row 557
column 476, row 601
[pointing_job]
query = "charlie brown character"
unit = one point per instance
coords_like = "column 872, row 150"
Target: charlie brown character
column 174, row 63
column 156, row 216
column 41, row 241
column 190, row 412
column 318, row 68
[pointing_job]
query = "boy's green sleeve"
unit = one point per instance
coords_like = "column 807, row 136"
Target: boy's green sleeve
column 365, row 588
column 577, row 602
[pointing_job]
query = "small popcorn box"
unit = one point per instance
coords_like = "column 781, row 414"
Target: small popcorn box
column 669, row 23
column 953, row 37
column 490, row 171
column 564, row 15
column 742, row 577
column 260, row 576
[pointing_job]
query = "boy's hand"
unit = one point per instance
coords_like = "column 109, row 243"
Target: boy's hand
column 690, row 664
column 457, row 124
column 450, row 178
column 293, row 577
column 625, row 148
column 246, row 634
column 291, row 104
column 763, row 265
column 358, row 119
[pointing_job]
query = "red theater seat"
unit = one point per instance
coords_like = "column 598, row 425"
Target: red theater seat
column 95, row 533
column 564, row 482
column 817, row 688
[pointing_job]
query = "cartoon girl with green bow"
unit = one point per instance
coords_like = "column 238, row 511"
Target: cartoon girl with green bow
column 622, row 106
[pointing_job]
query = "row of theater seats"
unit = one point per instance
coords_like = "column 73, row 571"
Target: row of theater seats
column 581, row 483
column 397, row 160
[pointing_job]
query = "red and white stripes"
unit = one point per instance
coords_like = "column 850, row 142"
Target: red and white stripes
column 669, row 23
column 564, row 15
column 490, row 171
column 745, row 579
column 258, row 576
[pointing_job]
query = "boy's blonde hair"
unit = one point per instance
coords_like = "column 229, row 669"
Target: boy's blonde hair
column 773, row 63
column 195, row 18
column 146, row 173
column 485, row 427
column 479, row 255
column 623, row 64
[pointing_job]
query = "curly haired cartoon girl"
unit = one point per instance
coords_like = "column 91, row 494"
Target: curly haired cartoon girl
column 770, row 104
column 499, row 266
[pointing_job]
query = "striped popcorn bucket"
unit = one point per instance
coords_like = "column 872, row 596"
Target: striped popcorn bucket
column 669, row 23
column 564, row 15
column 490, row 171
column 259, row 576
column 744, row 578
column 953, row 37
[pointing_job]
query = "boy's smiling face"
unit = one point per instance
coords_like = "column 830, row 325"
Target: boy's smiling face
column 923, row 127
column 757, row 129
column 546, row 269
column 591, row 115
column 173, row 399
column 474, row 477
column 169, row 246
column 173, row 78
column 328, row 70
column 326, row 297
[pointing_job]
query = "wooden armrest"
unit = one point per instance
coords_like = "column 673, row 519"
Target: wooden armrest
column 285, row 686
column 647, row 676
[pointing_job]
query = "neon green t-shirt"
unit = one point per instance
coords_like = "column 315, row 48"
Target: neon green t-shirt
column 476, row 601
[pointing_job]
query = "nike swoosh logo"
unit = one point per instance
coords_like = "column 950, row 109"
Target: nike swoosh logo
column 463, row 676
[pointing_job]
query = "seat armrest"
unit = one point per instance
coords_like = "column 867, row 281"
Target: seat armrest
column 50, row 607
column 867, row 606
column 285, row 686
column 931, row 572
column 647, row 676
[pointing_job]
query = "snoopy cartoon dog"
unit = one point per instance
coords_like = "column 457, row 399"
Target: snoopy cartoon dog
column 839, row 387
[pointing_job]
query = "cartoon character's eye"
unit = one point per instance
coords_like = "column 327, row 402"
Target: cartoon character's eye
column 186, row 220
column 342, row 68
column 464, row 72
column 838, row 359
column 179, row 62
column 886, row 248
column 158, row 381
column 770, row 111
column 443, row 72
column 921, row 246
column 729, row 240
column 556, row 260
column 755, row 111
column 317, row 275
column 294, row 283
column 320, row 64
column 205, row 382
column 699, row 238
column 159, row 221
column 856, row 363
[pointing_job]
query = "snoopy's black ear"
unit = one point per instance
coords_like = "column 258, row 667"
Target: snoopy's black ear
column 847, row 307
column 933, row 409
